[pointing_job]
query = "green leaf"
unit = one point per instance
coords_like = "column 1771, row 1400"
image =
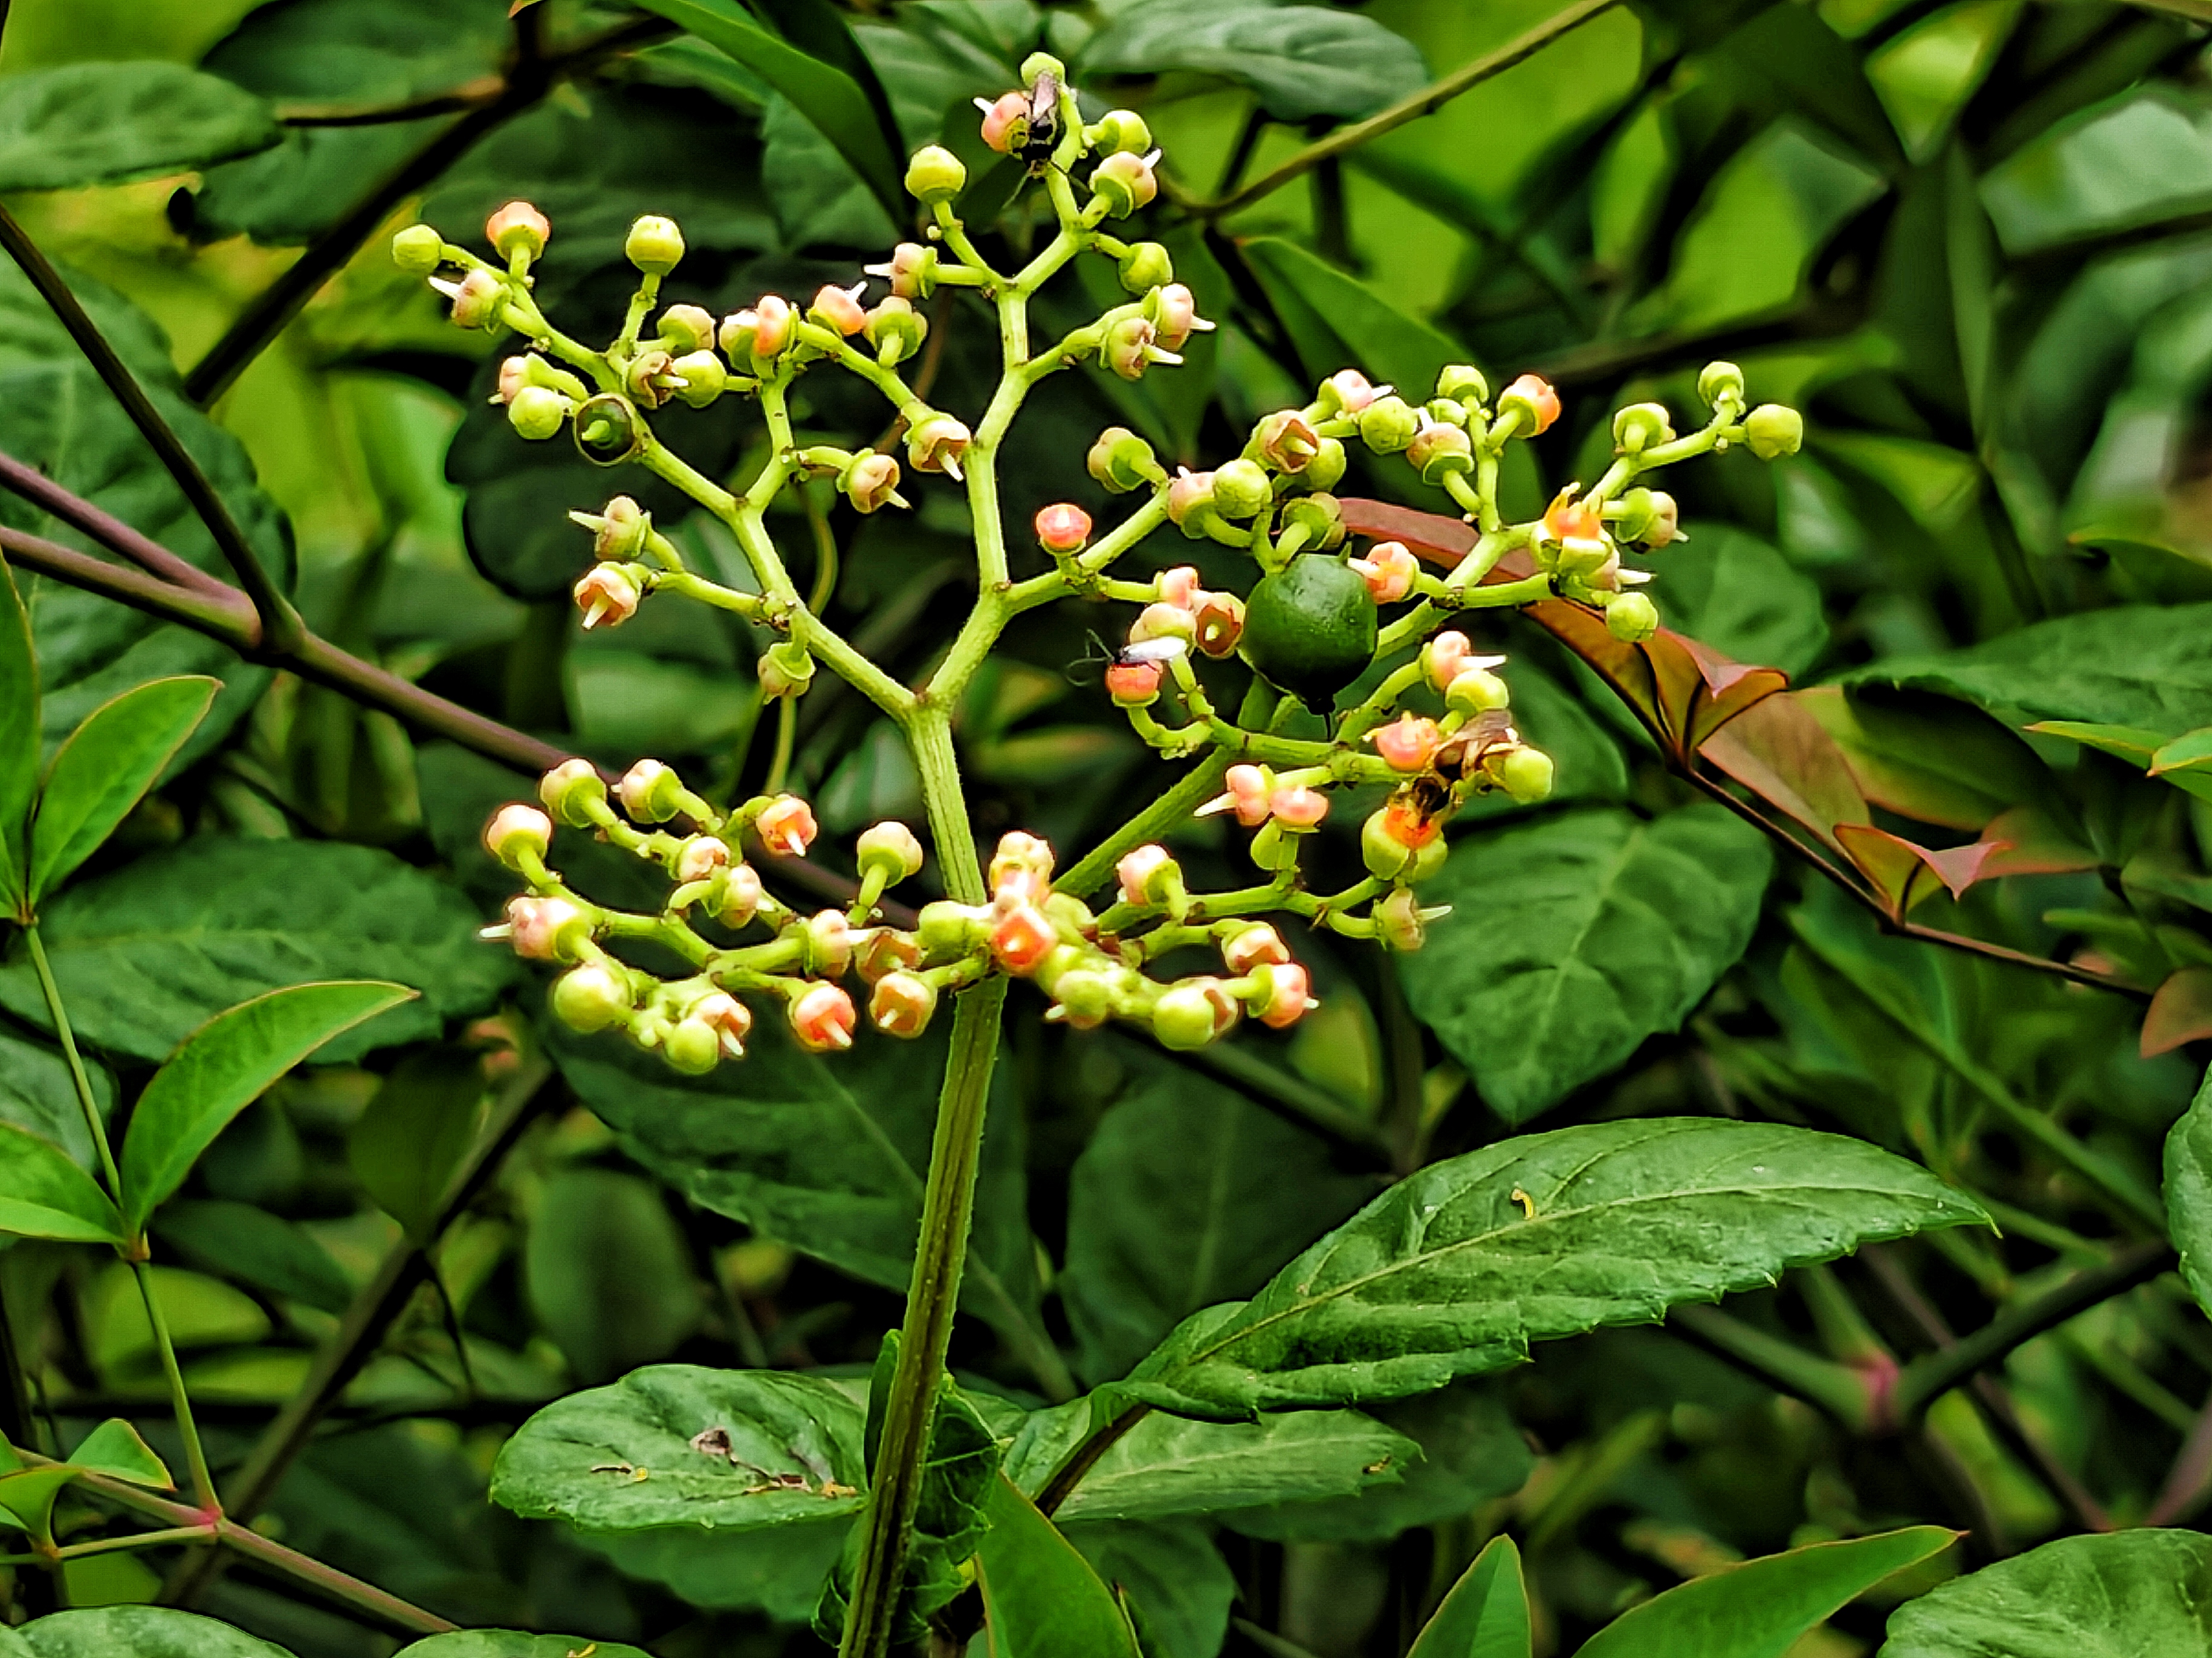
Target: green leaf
column 19, row 740
column 115, row 1449
column 1041, row 1598
column 38, row 1095
column 1927, row 758
column 830, row 99
column 141, row 1632
column 579, row 1459
column 1925, row 75
column 827, row 1158
column 1186, row 1195
column 146, row 955
column 1486, row 1613
column 28, row 1496
column 44, row 1194
column 224, row 1066
column 1761, row 1608
column 2130, row 743
column 2131, row 665
column 2191, row 751
column 1173, row 1580
column 1573, row 938
column 1733, row 592
column 1169, row 1465
column 253, row 1247
column 1303, row 61
column 1335, row 321
column 2142, row 156
column 104, row 123
column 2127, row 1592
column 2189, row 1192
column 1456, row 1270
column 779, row 1571
column 513, row 1643
column 607, row 1274
column 1469, row 1451
column 103, row 768
column 407, row 1146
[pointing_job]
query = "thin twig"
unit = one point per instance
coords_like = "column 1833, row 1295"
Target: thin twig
column 109, row 531
column 1424, row 102
column 2189, row 1482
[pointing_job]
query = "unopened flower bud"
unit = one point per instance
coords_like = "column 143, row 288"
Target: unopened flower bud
column 1005, row 122
column 1326, row 470
column 537, row 412
column 1174, row 311
column 1190, row 498
column 1083, row 998
column 1642, row 426
column 1388, row 424
column 935, row 174
column 730, row 1019
column 1038, row 64
column 1463, row 383
column 821, row 1017
column 825, row 944
column 1388, row 570
column 1298, row 807
column 1184, row 1018
column 1062, row 528
column 1319, row 517
column 1438, row 451
column 1126, row 182
column 686, row 328
column 701, row 856
column 1632, row 618
column 1399, row 923
column 738, row 899
column 891, row 847
column 479, row 301
column 546, row 929
column 838, row 309
column 590, row 998
column 654, row 244
column 936, row 443
column 1130, row 346
column 1476, row 690
column 946, row 930
column 513, row 375
column 691, row 1047
column 1122, row 461
column 1774, row 430
column 1525, row 773
column 1120, row 131
column 1163, row 620
column 650, row 793
column 569, row 789
column 1021, row 855
column 896, row 330
column 1145, row 267
column 1133, row 685
column 1181, row 587
column 1649, row 516
column 911, row 271
column 1719, row 383
column 701, row 376
column 1240, row 488
column 418, row 250
column 1535, row 399
column 772, row 322
column 1408, row 743
column 786, row 826
column 1347, row 391
column 1443, row 656
column 872, row 482
column 736, row 335
column 1286, row 995
column 1260, row 943
column 518, row 836
column 901, row 1004
column 606, row 595
column 1146, row 873
column 1217, row 623
column 1020, row 938
column 518, row 228
column 1247, row 789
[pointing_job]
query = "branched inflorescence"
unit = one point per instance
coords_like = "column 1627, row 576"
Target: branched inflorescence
column 1311, row 627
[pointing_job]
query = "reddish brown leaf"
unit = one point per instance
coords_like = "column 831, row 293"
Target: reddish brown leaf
column 1441, row 540
column 2036, row 842
column 1779, row 751
column 2180, row 1012
column 1906, row 873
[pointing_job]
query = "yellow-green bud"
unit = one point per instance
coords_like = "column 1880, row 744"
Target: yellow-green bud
column 1145, row 266
column 1632, row 618
column 1774, row 430
column 1326, row 470
column 935, row 174
column 1120, row 131
column 418, row 250
column 1463, row 383
column 892, row 848
column 687, row 328
column 1526, row 775
column 1388, row 424
column 654, row 244
column 703, row 376
column 1240, row 488
column 1123, row 461
column 1719, row 383
column 1642, row 426
column 536, row 411
column 590, row 998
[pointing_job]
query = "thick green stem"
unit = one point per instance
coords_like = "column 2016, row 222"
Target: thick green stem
column 948, row 1208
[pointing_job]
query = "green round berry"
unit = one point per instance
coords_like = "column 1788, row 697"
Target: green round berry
column 1309, row 628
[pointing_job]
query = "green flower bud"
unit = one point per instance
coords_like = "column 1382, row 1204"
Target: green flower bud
column 1642, row 426
column 703, row 376
column 896, row 330
column 1438, row 451
column 1183, row 1018
column 948, row 931
column 1719, row 383
column 1120, row 131
column 1388, row 424
column 1326, row 470
column 1039, row 64
column 935, row 174
column 693, row 1046
column 1319, row 516
column 1774, row 430
column 1240, row 488
column 590, row 998
column 892, row 848
column 1145, row 267
column 1122, row 461
column 569, row 789
column 1632, row 618
column 1649, row 516
column 418, row 250
column 654, row 244
column 537, row 412
column 1526, row 775
column 687, row 328
column 1463, row 383
column 1476, row 690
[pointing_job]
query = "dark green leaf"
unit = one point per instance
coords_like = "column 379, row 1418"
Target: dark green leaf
column 115, row 1449
column 146, row 955
column 1169, row 1465
column 224, row 1066
column 778, row 1571
column 106, row 766
column 19, row 740
column 1733, row 593
column 43, row 1194
column 101, row 124
column 830, row 99
column 1303, row 61
column 1486, row 1613
column 406, row 1147
column 513, row 1643
column 252, row 1246
column 1337, row 322
column 37, row 1094
column 2189, row 1192
column 1172, row 1579
column 1761, row 1608
column 1454, row 1271
column 141, row 1632
column 2128, row 1592
column 1186, row 1195
column 607, row 1272
column 1042, row 1599
column 622, row 1458
column 2142, row 157
column 1573, row 939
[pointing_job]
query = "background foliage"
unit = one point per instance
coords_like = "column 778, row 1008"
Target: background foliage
column 1973, row 240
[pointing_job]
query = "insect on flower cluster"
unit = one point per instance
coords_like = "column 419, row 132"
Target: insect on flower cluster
column 1364, row 637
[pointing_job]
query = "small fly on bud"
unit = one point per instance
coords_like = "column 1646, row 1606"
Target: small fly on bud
column 1044, row 124
column 1144, row 652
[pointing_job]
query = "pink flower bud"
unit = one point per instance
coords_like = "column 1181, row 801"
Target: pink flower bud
column 1007, row 122
column 821, row 1017
column 871, row 483
column 1131, row 346
column 545, row 929
column 1298, row 806
column 478, row 300
column 1062, row 528
column 701, row 856
column 1180, row 586
column 911, row 271
column 1408, row 743
column 773, row 319
column 1163, row 621
column 731, row 1020
column 518, row 834
column 1021, row 938
column 1388, row 569
column 1177, row 317
column 1399, row 922
column 1218, row 623
column 736, row 335
column 901, row 1004
column 1126, row 182
column 1137, row 871
column 511, row 373
column 647, row 792
column 1289, row 997
column 826, row 944
column 892, row 848
column 1349, row 390
column 1133, row 685
column 1447, row 653
column 740, row 898
column 1190, row 491
column 839, row 308
column 1539, row 402
column 1248, row 789
column 1260, row 943
column 937, row 443
column 606, row 594
column 786, row 826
